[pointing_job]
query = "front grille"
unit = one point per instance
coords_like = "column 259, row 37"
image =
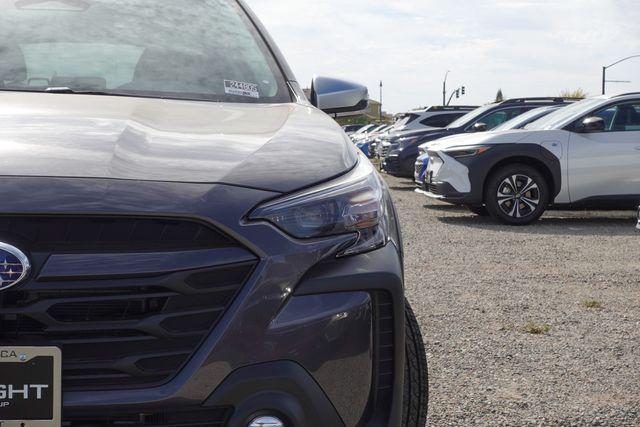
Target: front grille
column 193, row 417
column 73, row 233
column 391, row 163
column 119, row 325
column 433, row 189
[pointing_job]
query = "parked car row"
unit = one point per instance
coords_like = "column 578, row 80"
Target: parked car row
column 552, row 152
column 400, row 156
column 369, row 138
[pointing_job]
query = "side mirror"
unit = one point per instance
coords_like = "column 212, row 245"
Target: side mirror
column 480, row 127
column 593, row 124
column 338, row 96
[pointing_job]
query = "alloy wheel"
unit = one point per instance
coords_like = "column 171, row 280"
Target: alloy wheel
column 518, row 196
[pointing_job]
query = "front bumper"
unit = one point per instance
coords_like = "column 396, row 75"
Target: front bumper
column 304, row 323
column 443, row 191
column 448, row 180
column 398, row 166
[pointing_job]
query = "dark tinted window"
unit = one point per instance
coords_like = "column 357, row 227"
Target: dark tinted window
column 498, row 117
column 621, row 117
column 441, row 120
column 203, row 49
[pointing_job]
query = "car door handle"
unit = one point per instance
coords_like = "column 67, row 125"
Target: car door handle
column 638, row 148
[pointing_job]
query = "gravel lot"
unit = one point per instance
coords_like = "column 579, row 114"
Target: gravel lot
column 481, row 290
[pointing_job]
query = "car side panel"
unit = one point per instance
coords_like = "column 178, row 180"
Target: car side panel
column 604, row 164
column 480, row 167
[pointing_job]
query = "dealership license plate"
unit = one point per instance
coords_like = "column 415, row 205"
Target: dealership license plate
column 30, row 390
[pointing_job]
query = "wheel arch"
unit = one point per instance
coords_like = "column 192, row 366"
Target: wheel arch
column 533, row 155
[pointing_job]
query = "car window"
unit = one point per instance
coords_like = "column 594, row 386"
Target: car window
column 138, row 48
column 471, row 116
column 496, row 118
column 440, row 120
column 411, row 118
column 560, row 118
column 524, row 119
column 623, row 117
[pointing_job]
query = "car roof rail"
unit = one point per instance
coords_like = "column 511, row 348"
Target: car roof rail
column 442, row 108
column 555, row 99
column 451, row 107
column 619, row 95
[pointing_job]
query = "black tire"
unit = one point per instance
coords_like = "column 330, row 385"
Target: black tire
column 478, row 210
column 505, row 200
column 416, row 379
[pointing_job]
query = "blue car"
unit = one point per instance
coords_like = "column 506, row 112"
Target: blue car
column 421, row 168
column 364, row 147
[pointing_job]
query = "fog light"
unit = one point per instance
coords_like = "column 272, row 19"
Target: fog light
column 266, row 422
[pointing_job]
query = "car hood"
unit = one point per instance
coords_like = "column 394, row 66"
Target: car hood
column 414, row 133
column 254, row 145
column 480, row 138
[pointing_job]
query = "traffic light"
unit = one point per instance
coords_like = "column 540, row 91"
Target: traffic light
column 464, row 90
column 457, row 93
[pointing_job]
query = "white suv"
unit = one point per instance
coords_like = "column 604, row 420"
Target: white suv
column 584, row 155
column 430, row 117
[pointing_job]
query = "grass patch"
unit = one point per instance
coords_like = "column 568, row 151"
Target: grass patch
column 535, row 329
column 592, row 304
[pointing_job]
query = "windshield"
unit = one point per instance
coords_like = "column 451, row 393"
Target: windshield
column 185, row 49
column 403, row 121
column 470, row 117
column 524, row 119
column 559, row 118
column 364, row 129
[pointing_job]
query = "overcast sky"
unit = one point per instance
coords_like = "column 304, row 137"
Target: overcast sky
column 525, row 47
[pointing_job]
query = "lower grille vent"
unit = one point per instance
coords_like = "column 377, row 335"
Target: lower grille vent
column 196, row 417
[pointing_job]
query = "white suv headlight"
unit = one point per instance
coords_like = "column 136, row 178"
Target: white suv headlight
column 356, row 203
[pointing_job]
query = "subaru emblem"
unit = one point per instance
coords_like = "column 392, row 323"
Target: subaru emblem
column 14, row 266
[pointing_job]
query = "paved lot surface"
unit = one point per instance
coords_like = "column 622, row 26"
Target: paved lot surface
column 525, row 326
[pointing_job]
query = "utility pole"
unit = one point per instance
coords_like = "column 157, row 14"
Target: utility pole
column 604, row 73
column 380, row 101
column 444, row 89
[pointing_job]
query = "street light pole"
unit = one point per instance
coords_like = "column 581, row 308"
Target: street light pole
column 380, row 101
column 444, row 89
column 604, row 71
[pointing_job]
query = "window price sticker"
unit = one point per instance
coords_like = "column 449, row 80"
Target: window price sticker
column 250, row 90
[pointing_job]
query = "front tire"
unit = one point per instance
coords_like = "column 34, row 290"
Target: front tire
column 416, row 380
column 516, row 194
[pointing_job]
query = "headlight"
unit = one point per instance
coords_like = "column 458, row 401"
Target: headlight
column 459, row 152
column 357, row 203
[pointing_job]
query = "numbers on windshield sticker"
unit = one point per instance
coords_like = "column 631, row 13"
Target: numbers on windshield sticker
column 250, row 90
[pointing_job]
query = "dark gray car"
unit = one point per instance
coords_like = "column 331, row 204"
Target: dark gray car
column 169, row 255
